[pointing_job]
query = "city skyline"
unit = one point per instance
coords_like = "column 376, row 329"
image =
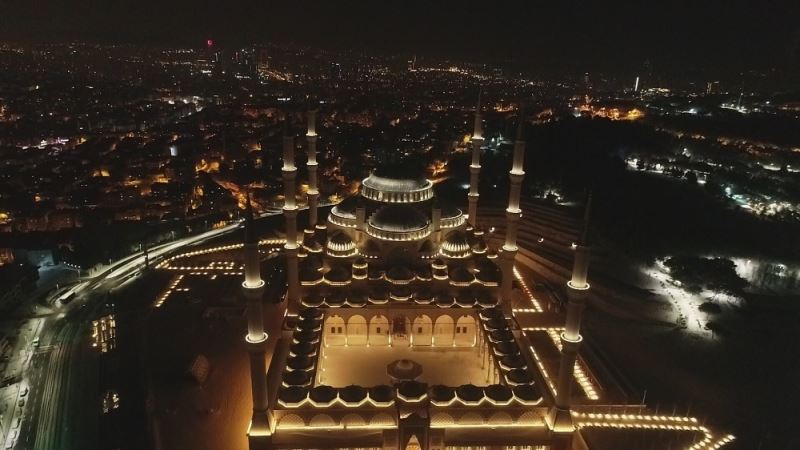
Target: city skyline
column 714, row 37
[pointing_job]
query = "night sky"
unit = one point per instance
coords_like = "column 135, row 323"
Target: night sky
column 562, row 34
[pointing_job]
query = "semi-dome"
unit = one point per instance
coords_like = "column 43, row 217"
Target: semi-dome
column 398, row 218
column 346, row 208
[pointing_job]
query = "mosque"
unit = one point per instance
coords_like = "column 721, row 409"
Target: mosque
column 399, row 331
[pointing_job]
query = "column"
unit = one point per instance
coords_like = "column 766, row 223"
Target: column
column 513, row 215
column 560, row 418
column 290, row 213
column 256, row 338
column 475, row 167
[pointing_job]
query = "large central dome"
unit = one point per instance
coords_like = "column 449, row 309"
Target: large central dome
column 396, row 184
column 396, row 189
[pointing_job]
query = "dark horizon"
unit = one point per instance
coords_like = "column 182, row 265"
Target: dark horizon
column 714, row 37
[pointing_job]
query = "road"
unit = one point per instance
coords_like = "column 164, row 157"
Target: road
column 54, row 395
column 57, row 372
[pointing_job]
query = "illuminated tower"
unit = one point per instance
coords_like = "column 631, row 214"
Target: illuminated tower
column 513, row 214
column 253, row 287
column 577, row 290
column 290, row 212
column 313, row 192
column 475, row 166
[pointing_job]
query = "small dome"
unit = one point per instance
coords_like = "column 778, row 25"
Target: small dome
column 469, row 393
column 381, row 393
column 323, row 394
column 398, row 218
column 499, row 393
column 311, row 244
column 519, row 376
column 412, row 390
column 487, row 271
column 478, row 244
column 340, row 244
column 399, row 274
column 293, row 395
column 423, row 273
column 527, row 394
column 455, row 245
column 441, row 393
column 310, row 313
column 338, row 274
column 461, row 274
column 340, row 238
column 352, row 394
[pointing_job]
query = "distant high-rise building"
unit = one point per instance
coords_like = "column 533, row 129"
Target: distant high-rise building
column 262, row 60
column 336, row 72
column 712, row 87
column 412, row 64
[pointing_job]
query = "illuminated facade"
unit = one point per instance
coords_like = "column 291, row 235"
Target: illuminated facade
column 404, row 331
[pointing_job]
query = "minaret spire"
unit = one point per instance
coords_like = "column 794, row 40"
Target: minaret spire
column 513, row 214
column 577, row 290
column 290, row 213
column 311, row 149
column 256, row 338
column 475, row 165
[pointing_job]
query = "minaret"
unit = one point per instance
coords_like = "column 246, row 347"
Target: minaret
column 311, row 149
column 290, row 212
column 560, row 417
column 253, row 288
column 513, row 214
column 475, row 166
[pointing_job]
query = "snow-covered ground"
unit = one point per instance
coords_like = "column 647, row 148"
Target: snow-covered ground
column 769, row 276
column 685, row 311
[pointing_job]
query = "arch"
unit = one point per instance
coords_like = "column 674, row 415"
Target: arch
column 291, row 421
column 357, row 330
column 530, row 418
column 500, row 418
column 322, row 420
column 378, row 330
column 441, row 420
column 466, row 332
column 443, row 331
column 401, row 331
column 382, row 419
column 353, row 420
column 422, row 331
column 470, row 418
column 335, row 330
